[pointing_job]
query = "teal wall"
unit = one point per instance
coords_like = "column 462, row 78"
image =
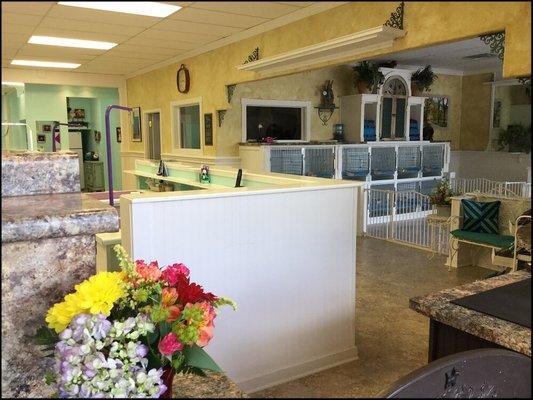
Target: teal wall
column 49, row 103
column 13, row 110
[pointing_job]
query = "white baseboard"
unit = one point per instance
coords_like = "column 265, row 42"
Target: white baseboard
column 297, row 371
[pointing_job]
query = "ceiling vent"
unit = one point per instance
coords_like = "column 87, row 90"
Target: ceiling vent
column 479, row 56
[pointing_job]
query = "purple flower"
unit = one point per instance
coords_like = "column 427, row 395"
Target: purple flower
column 142, row 350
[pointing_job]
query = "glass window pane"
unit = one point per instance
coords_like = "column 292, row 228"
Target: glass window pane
column 400, row 118
column 386, row 118
column 189, row 129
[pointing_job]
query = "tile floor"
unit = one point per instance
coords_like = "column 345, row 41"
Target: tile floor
column 392, row 339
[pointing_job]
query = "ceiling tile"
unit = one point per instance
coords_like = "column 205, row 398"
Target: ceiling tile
column 164, row 36
column 27, row 7
column 144, row 50
column 179, row 3
column 57, row 32
column 160, row 43
column 107, row 17
column 17, row 29
column 87, row 26
column 217, row 18
column 20, row 19
column 263, row 9
column 195, row 27
column 300, row 4
column 13, row 39
column 112, row 60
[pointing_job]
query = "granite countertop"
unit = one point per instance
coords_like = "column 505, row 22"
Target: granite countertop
column 215, row 385
column 322, row 142
column 55, row 215
column 438, row 306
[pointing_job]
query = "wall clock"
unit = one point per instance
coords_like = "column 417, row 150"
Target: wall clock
column 183, row 80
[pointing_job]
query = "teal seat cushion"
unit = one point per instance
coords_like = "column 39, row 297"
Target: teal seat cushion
column 491, row 239
column 480, row 217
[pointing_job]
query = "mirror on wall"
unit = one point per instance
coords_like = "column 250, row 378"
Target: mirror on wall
column 510, row 122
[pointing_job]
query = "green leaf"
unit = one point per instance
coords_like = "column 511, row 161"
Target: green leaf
column 197, row 357
column 46, row 337
column 152, row 337
column 194, row 370
column 154, row 359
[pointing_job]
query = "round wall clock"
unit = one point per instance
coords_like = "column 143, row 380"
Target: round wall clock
column 183, row 80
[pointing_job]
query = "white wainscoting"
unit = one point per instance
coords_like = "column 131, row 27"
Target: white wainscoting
column 286, row 256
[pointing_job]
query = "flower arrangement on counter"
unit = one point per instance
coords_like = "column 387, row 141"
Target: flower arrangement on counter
column 125, row 334
column 443, row 193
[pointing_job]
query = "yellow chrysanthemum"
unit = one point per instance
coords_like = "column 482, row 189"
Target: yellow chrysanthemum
column 96, row 295
column 60, row 315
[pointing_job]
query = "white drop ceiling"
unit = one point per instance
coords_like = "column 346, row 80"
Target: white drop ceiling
column 142, row 41
column 450, row 58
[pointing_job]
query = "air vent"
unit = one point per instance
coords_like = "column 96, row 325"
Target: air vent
column 479, row 56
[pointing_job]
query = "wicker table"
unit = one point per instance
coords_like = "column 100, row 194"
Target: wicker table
column 439, row 232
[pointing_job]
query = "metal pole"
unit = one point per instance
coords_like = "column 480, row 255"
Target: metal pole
column 108, row 148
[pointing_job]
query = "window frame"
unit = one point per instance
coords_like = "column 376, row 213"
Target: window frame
column 304, row 106
column 175, row 123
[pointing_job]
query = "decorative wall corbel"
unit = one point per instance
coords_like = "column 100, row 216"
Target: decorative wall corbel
column 230, row 89
column 254, row 56
column 496, row 42
column 396, row 18
column 221, row 114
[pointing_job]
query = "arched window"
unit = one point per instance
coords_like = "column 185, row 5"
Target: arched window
column 395, row 87
column 393, row 108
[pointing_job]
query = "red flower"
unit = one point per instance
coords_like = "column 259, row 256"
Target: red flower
column 191, row 292
column 169, row 344
column 171, row 273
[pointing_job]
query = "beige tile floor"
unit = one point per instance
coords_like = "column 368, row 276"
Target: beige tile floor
column 392, row 339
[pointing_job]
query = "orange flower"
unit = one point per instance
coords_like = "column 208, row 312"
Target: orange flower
column 174, row 313
column 169, row 296
column 150, row 272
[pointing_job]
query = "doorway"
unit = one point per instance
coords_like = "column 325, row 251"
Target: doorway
column 153, row 125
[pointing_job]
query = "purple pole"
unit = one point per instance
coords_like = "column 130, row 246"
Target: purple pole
column 108, row 148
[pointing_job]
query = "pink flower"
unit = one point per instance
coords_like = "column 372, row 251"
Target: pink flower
column 150, row 272
column 207, row 326
column 169, row 344
column 171, row 273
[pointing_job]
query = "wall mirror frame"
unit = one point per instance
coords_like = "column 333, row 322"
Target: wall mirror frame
column 136, row 131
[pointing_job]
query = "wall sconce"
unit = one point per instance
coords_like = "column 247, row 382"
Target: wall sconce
column 325, row 112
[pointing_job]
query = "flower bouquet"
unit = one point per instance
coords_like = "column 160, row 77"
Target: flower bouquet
column 125, row 334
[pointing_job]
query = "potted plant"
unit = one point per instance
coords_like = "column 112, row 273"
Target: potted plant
column 517, row 138
column 422, row 79
column 367, row 77
column 441, row 198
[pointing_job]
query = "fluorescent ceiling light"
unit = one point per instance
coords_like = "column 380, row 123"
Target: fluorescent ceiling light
column 44, row 64
column 4, row 83
column 83, row 44
column 148, row 8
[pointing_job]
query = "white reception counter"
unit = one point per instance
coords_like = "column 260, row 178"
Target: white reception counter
column 282, row 247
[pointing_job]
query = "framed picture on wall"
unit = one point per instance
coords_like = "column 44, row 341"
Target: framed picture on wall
column 119, row 134
column 136, row 135
column 208, row 129
column 436, row 111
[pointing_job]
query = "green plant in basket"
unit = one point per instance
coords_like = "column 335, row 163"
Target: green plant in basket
column 443, row 193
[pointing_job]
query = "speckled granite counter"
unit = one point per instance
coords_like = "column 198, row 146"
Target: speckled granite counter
column 48, row 246
column 31, row 173
column 55, row 215
column 215, row 385
column 438, row 307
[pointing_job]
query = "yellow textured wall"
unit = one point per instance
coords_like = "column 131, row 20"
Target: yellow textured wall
column 426, row 23
column 475, row 112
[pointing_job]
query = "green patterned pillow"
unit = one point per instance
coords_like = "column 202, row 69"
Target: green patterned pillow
column 480, row 217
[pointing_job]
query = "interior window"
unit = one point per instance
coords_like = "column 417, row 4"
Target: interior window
column 188, row 126
column 393, row 110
